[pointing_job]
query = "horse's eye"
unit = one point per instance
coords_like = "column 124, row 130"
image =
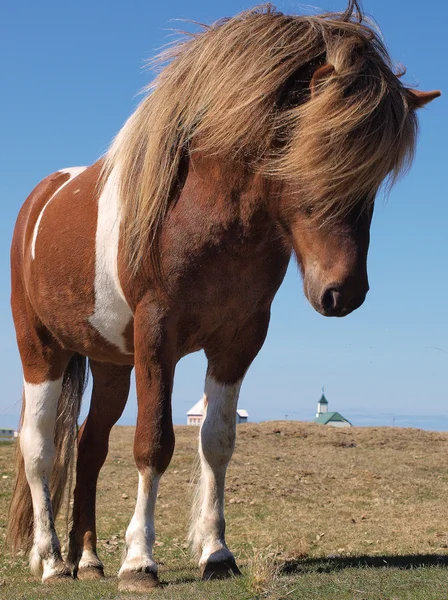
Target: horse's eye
column 308, row 210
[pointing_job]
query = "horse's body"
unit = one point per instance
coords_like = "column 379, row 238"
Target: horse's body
column 93, row 311
column 78, row 290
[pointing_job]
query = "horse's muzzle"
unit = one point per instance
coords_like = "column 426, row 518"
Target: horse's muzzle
column 335, row 301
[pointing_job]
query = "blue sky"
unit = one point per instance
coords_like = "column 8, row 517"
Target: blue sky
column 70, row 76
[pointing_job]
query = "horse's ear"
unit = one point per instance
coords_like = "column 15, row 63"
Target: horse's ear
column 417, row 98
column 320, row 74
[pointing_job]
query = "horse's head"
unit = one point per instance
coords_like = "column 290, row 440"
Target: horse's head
column 312, row 104
column 333, row 259
column 356, row 129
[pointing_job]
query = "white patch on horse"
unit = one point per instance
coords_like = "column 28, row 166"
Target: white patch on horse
column 73, row 172
column 89, row 559
column 37, row 445
column 216, row 444
column 140, row 535
column 112, row 313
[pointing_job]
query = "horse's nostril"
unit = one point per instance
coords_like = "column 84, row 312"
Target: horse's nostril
column 331, row 300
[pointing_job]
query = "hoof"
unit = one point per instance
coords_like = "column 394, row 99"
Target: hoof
column 90, row 573
column 138, row 582
column 219, row 570
column 58, row 577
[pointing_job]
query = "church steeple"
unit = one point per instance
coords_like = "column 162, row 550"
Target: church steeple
column 322, row 405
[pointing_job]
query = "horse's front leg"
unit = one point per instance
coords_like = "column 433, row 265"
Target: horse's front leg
column 153, row 449
column 216, row 444
column 226, row 369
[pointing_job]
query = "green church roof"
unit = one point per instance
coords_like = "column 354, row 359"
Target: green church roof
column 323, row 400
column 325, row 418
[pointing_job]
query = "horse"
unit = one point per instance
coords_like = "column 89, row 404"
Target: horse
column 263, row 136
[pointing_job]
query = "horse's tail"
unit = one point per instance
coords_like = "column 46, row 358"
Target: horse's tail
column 21, row 522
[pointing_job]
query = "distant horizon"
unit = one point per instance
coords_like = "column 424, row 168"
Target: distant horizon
column 361, row 419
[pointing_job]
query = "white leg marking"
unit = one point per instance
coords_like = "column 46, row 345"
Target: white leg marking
column 73, row 172
column 140, row 535
column 37, row 445
column 216, row 444
column 112, row 312
column 89, row 559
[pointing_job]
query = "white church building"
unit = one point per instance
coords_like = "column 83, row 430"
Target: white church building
column 196, row 412
column 334, row 419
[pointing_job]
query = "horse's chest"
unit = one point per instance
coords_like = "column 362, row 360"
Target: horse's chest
column 227, row 288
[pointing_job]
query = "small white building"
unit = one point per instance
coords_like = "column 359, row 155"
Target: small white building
column 334, row 419
column 8, row 435
column 194, row 415
column 196, row 412
column 242, row 416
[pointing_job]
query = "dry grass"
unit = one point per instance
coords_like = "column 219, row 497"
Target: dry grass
column 305, row 505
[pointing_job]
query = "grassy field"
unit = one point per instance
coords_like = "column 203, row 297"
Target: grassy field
column 312, row 513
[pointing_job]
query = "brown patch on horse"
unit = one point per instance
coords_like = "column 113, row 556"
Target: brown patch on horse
column 65, row 252
column 69, row 221
column 34, row 340
column 35, row 203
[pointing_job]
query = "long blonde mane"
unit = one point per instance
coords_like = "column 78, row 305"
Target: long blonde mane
column 240, row 90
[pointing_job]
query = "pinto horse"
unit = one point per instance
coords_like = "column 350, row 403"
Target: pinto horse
column 263, row 135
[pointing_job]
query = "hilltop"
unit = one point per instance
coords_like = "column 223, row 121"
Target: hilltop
column 301, row 498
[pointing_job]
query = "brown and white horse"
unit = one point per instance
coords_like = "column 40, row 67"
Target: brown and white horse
column 265, row 134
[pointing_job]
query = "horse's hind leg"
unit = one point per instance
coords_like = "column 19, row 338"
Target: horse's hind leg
column 44, row 363
column 38, row 449
column 109, row 396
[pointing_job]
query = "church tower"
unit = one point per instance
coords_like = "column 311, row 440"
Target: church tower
column 322, row 405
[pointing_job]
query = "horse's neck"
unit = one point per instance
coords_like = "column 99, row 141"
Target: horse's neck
column 220, row 224
column 226, row 191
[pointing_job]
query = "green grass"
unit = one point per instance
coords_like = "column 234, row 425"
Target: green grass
column 310, row 516
column 367, row 583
